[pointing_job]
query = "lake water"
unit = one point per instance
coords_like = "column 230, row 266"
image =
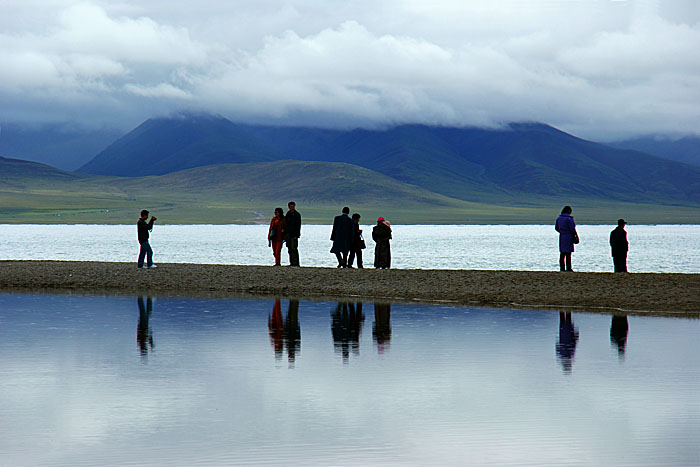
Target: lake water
column 202, row 382
column 653, row 248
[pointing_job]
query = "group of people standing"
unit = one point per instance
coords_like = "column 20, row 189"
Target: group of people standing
column 568, row 237
column 346, row 236
column 348, row 241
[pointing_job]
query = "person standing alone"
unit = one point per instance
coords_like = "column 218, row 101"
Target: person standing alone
column 293, row 233
column 566, row 227
column 619, row 246
column 143, row 228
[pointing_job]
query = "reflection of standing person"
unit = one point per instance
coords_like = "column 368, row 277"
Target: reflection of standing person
column 292, row 331
column 276, row 235
column 381, row 234
column 293, row 219
column 276, row 328
column 358, row 243
column 144, row 335
column 568, row 337
column 382, row 326
column 619, row 246
column 342, row 237
column 566, row 227
column 618, row 333
column 142, row 229
column 346, row 326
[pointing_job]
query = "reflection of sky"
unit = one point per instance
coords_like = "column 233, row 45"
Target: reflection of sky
column 455, row 385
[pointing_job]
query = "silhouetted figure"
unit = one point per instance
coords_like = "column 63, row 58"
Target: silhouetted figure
column 293, row 219
column 285, row 332
column 346, row 326
column 276, row 235
column 566, row 227
column 144, row 335
column 619, row 246
column 568, row 337
column 292, row 331
column 142, row 230
column 618, row 333
column 341, row 235
column 358, row 243
column 275, row 325
column 381, row 234
column 382, row 326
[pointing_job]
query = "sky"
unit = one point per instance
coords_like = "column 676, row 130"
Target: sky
column 600, row 69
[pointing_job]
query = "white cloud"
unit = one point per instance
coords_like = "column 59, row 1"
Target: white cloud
column 598, row 67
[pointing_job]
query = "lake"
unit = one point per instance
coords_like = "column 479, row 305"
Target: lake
column 149, row 381
column 653, row 248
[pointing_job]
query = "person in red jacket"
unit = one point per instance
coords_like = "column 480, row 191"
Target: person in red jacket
column 276, row 234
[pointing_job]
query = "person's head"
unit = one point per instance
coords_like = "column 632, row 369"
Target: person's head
column 356, row 218
column 279, row 212
column 346, row 210
column 567, row 210
column 144, row 214
column 621, row 222
column 380, row 220
column 292, row 206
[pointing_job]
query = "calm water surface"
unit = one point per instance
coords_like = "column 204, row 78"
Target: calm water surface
column 179, row 382
column 653, row 248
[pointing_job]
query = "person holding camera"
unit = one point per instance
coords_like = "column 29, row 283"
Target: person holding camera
column 143, row 228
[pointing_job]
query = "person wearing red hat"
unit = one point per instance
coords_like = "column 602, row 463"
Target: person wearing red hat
column 381, row 234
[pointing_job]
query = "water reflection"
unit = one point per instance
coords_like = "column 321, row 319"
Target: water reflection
column 568, row 338
column 285, row 333
column 346, row 327
column 381, row 331
column 618, row 333
column 144, row 334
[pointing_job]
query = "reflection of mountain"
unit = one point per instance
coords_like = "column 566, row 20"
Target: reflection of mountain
column 382, row 326
column 346, row 326
column 144, row 334
column 568, row 338
column 285, row 333
column 618, row 333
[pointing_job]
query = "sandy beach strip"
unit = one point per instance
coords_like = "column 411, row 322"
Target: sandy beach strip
column 594, row 292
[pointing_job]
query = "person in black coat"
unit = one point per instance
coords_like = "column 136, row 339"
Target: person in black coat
column 342, row 234
column 619, row 246
column 358, row 243
column 293, row 233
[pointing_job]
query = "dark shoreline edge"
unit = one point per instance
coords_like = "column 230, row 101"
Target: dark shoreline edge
column 641, row 293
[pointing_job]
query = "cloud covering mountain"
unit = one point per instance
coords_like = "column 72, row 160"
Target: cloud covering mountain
column 601, row 69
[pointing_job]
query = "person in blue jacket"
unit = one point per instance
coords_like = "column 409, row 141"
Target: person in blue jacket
column 566, row 227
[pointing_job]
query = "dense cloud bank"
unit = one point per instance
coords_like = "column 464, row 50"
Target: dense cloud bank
column 601, row 69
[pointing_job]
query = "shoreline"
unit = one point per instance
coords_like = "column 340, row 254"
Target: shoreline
column 633, row 293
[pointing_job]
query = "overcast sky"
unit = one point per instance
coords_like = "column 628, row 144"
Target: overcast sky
column 601, row 69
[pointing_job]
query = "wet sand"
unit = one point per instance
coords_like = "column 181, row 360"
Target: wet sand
column 604, row 292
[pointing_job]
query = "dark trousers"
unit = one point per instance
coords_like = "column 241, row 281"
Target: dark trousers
column 293, row 250
column 620, row 262
column 342, row 259
column 354, row 253
column 147, row 253
column 565, row 261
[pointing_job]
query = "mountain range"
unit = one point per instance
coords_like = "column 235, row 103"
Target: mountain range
column 208, row 169
column 473, row 164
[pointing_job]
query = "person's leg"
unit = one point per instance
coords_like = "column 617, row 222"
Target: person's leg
column 359, row 259
column 345, row 259
column 340, row 259
column 562, row 257
column 149, row 255
column 277, row 252
column 293, row 250
column 351, row 258
column 142, row 255
column 568, row 262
